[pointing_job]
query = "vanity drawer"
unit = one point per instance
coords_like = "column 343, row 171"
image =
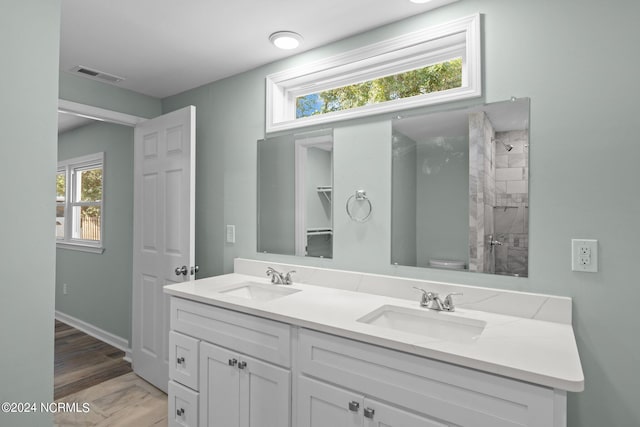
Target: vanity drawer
column 183, row 359
column 255, row 336
column 462, row 396
column 183, row 406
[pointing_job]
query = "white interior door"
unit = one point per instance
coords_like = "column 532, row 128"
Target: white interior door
column 163, row 233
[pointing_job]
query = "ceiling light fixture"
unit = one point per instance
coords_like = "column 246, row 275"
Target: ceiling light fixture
column 285, row 39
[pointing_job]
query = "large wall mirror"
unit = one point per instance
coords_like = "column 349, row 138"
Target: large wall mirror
column 295, row 186
column 460, row 196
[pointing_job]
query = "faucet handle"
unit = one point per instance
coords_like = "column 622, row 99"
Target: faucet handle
column 287, row 278
column 426, row 296
column 276, row 276
column 448, row 301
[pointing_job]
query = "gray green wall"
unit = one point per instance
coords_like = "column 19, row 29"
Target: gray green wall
column 99, row 285
column 276, row 191
column 583, row 180
column 442, row 174
column 404, row 250
column 29, row 30
column 99, row 94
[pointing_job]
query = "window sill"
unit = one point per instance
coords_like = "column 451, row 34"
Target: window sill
column 80, row 247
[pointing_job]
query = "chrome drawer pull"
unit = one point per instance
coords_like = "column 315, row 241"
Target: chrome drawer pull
column 368, row 412
column 354, row 406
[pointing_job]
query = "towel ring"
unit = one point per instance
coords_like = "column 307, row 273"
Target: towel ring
column 359, row 196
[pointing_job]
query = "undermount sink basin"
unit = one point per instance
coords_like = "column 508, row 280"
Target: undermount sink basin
column 422, row 321
column 259, row 291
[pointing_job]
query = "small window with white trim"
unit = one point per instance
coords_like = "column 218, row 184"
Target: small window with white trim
column 80, row 203
column 435, row 65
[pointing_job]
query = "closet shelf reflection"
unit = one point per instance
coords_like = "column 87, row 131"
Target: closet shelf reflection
column 319, row 231
column 325, row 190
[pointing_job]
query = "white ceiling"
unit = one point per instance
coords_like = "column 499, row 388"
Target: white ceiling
column 164, row 47
column 504, row 116
column 67, row 122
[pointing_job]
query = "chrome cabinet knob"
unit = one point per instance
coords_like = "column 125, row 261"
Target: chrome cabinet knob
column 354, row 406
column 180, row 360
column 180, row 412
column 242, row 365
column 368, row 412
column 194, row 269
column 233, row 362
column 181, row 270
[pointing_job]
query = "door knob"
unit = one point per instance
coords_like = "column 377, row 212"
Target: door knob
column 181, row 270
column 194, row 269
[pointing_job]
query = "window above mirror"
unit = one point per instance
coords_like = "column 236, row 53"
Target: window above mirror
column 431, row 66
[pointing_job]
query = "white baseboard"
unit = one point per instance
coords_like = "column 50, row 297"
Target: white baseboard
column 111, row 339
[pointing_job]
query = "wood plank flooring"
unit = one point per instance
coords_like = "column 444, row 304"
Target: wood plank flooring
column 93, row 375
column 82, row 361
column 124, row 401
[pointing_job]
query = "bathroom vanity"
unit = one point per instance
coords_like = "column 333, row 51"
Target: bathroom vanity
column 340, row 348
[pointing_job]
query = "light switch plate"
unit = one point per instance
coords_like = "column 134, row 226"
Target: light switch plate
column 584, row 255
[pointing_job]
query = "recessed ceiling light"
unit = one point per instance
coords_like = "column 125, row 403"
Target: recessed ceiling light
column 286, row 39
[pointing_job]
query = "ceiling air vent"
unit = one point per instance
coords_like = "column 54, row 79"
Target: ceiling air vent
column 88, row 72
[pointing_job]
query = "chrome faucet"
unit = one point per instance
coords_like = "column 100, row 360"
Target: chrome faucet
column 432, row 301
column 278, row 278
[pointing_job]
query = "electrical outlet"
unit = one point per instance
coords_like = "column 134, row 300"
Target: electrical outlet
column 584, row 255
column 231, row 233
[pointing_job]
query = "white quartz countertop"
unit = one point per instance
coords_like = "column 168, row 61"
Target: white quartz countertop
column 535, row 351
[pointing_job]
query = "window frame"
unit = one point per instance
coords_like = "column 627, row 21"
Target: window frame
column 70, row 168
column 458, row 38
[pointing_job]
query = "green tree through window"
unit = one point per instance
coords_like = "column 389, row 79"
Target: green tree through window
column 434, row 78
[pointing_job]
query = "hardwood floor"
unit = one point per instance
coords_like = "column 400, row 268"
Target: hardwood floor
column 93, row 375
column 82, row 361
column 126, row 401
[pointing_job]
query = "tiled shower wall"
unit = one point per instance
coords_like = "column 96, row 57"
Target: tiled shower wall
column 482, row 191
column 511, row 211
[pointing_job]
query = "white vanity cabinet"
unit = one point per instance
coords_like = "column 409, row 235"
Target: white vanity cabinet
column 238, row 390
column 321, row 404
column 344, row 383
column 230, row 369
column 227, row 369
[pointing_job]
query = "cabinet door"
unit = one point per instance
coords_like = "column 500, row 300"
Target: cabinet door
column 219, row 387
column 265, row 394
column 323, row 405
column 377, row 414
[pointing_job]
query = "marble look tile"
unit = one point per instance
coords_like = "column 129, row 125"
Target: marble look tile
column 502, row 161
column 517, row 186
column 508, row 174
column 517, row 160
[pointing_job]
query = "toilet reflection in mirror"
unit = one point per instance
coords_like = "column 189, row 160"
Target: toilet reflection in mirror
column 460, row 189
column 295, row 187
